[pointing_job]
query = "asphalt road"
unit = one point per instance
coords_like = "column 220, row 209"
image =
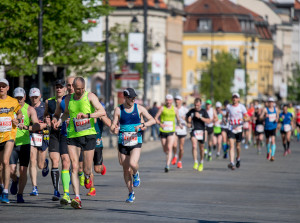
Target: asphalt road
column 260, row 191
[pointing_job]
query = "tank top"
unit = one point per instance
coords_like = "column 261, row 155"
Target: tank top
column 270, row 122
column 217, row 126
column 82, row 127
column 40, row 111
column 168, row 117
column 210, row 113
column 23, row 136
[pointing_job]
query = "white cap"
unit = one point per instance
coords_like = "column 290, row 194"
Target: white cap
column 3, row 80
column 298, row 107
column 271, row 99
column 258, row 106
column 178, row 97
column 218, row 104
column 34, row 92
column 19, row 92
column 236, row 94
column 169, row 97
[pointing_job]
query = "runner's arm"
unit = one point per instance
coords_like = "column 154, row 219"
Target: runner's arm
column 106, row 120
column 215, row 116
column 158, row 114
column 46, row 109
column 145, row 113
column 99, row 110
column 34, row 119
column 115, row 121
column 178, row 119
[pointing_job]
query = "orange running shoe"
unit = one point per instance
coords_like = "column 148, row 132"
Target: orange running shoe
column 76, row 203
column 92, row 192
column 179, row 165
column 103, row 172
column 88, row 183
column 174, row 160
column 272, row 158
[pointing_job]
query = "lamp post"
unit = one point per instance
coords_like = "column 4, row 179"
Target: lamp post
column 40, row 48
column 145, row 65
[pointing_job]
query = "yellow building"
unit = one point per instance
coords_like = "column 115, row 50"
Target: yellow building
column 220, row 25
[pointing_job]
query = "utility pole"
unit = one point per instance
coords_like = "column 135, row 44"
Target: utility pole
column 145, row 67
column 40, row 50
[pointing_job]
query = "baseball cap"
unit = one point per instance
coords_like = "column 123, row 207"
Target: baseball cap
column 271, row 99
column 178, row 97
column 3, row 80
column 169, row 97
column 34, row 92
column 218, row 104
column 129, row 92
column 60, row 82
column 236, row 95
column 19, row 92
column 208, row 102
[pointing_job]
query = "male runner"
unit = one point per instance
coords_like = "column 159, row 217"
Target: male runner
column 259, row 127
column 39, row 141
column 8, row 129
column 82, row 108
column 217, row 140
column 129, row 115
column 21, row 151
column 286, row 129
column 271, row 119
column 196, row 119
column 167, row 113
column 180, row 133
column 236, row 114
column 297, row 121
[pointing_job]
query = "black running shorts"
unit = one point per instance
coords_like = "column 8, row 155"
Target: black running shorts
column 127, row 149
column 21, row 153
column 86, row 143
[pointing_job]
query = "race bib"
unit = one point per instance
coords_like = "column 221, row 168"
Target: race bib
column 237, row 129
column 81, row 124
column 129, row 138
column 259, row 128
column 287, row 127
column 5, row 124
column 272, row 117
column 168, row 126
column 246, row 125
column 199, row 134
column 36, row 140
column 180, row 131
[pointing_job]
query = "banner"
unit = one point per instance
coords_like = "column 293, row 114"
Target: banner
column 239, row 80
column 158, row 63
column 135, row 47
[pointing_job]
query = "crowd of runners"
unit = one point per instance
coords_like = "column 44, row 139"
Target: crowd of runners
column 69, row 127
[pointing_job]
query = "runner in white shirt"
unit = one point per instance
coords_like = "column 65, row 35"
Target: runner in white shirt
column 236, row 114
column 180, row 133
column 209, row 127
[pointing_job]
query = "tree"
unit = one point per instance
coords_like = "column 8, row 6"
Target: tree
column 223, row 74
column 294, row 85
column 63, row 23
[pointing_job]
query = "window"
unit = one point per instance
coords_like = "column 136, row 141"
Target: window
column 204, row 53
column 204, row 25
column 235, row 52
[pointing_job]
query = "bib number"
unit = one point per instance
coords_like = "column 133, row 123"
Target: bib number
column 36, row 140
column 180, row 131
column 237, row 129
column 272, row 117
column 287, row 127
column 260, row 128
column 199, row 134
column 81, row 124
column 5, row 124
column 168, row 126
column 129, row 138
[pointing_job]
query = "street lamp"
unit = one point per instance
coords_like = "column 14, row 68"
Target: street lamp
column 245, row 62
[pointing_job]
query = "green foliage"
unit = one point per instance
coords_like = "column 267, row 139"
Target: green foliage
column 62, row 29
column 223, row 74
column 294, row 85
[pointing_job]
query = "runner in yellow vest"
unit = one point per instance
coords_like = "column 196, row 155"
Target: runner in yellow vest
column 168, row 113
column 21, row 151
column 82, row 107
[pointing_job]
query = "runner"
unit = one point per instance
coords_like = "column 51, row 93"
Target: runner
column 210, row 129
column 21, row 151
column 167, row 113
column 297, row 120
column 129, row 116
column 196, row 119
column 224, row 127
column 271, row 118
column 236, row 114
column 247, row 128
column 285, row 118
column 259, row 127
column 82, row 108
column 8, row 130
column 217, row 140
column 180, row 133
column 39, row 141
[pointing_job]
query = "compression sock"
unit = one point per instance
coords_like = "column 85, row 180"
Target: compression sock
column 215, row 147
column 65, row 178
column 209, row 148
column 284, row 146
column 224, row 147
column 55, row 177
column 288, row 144
column 80, row 173
column 273, row 147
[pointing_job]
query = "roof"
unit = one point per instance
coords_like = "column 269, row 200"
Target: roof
column 137, row 3
column 297, row 5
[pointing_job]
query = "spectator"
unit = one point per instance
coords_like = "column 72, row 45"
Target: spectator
column 155, row 127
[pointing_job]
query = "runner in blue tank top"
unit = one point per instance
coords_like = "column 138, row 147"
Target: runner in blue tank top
column 270, row 114
column 130, row 141
column 286, row 129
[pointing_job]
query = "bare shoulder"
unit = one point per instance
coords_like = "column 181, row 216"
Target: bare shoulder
column 92, row 96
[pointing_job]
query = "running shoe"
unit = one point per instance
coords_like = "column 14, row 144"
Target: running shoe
column 217, row 155
column 5, row 198
column 209, row 157
column 272, row 158
column 92, row 192
column 103, row 172
column 231, row 166
column 174, row 160
column 81, row 178
column 76, row 203
column 45, row 170
column 56, row 196
column 1, row 190
column 205, row 154
column 289, row 151
column 167, row 168
column 200, row 168
column 136, row 179
column 285, row 153
column 88, row 183
column 14, row 187
column 246, row 146
column 131, row 198
column 179, row 165
column 65, row 199
column 268, row 156
column 34, row 192
column 20, row 198
column 195, row 167
column 238, row 163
